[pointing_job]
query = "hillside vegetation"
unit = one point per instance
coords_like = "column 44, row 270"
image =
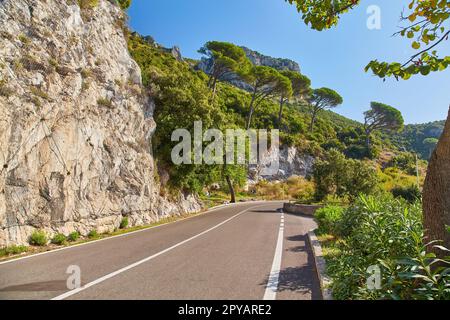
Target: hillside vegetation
column 182, row 96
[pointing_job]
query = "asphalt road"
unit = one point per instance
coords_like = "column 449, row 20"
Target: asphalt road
column 248, row 251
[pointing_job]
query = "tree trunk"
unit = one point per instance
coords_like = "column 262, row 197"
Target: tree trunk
column 250, row 115
column 231, row 187
column 436, row 192
column 368, row 141
column 313, row 121
column 214, row 87
column 280, row 114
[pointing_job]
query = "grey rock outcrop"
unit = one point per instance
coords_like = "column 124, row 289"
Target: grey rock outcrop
column 255, row 58
column 75, row 124
column 281, row 64
column 291, row 163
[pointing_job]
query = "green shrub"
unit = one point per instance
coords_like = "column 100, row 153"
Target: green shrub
column 381, row 231
column 59, row 239
column 329, row 218
column 87, row 4
column 38, row 238
column 93, row 234
column 337, row 175
column 74, row 236
column 124, row 223
column 124, row 4
column 410, row 194
column 12, row 250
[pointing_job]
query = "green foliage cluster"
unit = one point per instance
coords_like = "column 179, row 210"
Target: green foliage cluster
column 329, row 218
column 337, row 175
column 87, row 4
column 295, row 188
column 124, row 4
column 12, row 250
column 419, row 138
column 387, row 233
column 59, row 239
column 38, row 238
column 93, row 234
column 74, row 236
column 424, row 25
column 410, row 193
column 124, row 223
column 184, row 95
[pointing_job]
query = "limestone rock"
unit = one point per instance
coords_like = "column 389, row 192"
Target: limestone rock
column 75, row 124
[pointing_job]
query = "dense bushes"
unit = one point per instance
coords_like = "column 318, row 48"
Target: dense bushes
column 329, row 218
column 182, row 97
column 337, row 175
column 409, row 193
column 13, row 250
column 38, row 238
column 386, row 233
column 297, row 188
column 59, row 239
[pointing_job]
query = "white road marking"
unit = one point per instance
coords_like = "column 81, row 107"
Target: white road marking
column 120, row 235
column 131, row 266
column 272, row 283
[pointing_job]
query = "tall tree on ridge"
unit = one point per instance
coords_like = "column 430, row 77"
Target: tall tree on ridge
column 381, row 117
column 266, row 82
column 226, row 58
column 300, row 85
column 321, row 99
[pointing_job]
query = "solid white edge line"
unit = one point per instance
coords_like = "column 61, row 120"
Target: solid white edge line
column 272, row 283
column 131, row 266
column 214, row 209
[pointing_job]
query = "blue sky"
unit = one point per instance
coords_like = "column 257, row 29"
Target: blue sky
column 334, row 58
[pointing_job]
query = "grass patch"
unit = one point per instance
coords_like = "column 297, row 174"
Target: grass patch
column 124, row 223
column 13, row 250
column 104, row 102
column 39, row 93
column 93, row 234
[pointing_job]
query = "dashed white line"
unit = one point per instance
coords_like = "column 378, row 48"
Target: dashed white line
column 272, row 283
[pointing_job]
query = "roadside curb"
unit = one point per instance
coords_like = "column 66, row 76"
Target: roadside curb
column 320, row 263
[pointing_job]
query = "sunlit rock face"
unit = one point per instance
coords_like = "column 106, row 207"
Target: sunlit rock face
column 256, row 59
column 75, row 124
column 289, row 162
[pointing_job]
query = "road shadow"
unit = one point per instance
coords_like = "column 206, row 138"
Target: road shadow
column 58, row 285
column 301, row 280
column 278, row 210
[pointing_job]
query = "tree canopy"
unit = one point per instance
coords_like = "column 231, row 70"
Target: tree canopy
column 424, row 26
column 321, row 99
column 382, row 117
column 266, row 82
column 124, row 4
column 301, row 84
column 226, row 58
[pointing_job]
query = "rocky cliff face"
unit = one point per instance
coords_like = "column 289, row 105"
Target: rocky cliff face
column 75, row 123
column 291, row 163
column 257, row 59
